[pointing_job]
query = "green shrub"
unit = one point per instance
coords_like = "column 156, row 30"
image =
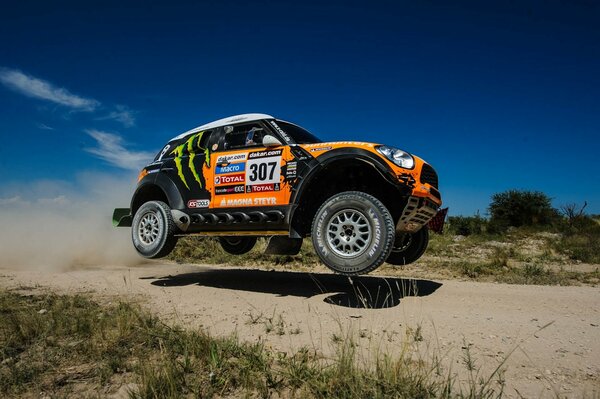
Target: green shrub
column 467, row 225
column 516, row 208
column 581, row 239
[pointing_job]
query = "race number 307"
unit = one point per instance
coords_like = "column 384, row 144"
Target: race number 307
column 263, row 170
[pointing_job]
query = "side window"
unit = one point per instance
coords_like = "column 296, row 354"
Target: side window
column 243, row 136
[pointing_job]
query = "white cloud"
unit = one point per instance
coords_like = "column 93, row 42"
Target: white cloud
column 41, row 89
column 43, row 126
column 110, row 148
column 122, row 114
column 11, row 200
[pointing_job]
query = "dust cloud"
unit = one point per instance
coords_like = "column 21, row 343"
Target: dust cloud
column 55, row 225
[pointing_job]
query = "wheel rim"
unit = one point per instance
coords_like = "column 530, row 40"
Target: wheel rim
column 149, row 228
column 405, row 242
column 349, row 233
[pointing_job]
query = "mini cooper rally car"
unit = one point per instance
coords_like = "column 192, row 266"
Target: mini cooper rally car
column 252, row 175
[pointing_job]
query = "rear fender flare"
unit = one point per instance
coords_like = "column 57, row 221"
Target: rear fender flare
column 151, row 183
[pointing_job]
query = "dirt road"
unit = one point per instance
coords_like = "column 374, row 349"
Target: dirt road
column 551, row 335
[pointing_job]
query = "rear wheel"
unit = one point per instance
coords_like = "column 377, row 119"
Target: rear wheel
column 153, row 230
column 237, row 245
column 353, row 233
column 409, row 247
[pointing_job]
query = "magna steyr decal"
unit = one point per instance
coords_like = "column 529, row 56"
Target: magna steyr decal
column 193, row 146
column 249, row 202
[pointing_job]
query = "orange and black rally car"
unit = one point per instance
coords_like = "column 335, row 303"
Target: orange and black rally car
column 253, row 175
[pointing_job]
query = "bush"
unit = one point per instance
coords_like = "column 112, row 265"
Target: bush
column 521, row 208
column 581, row 239
column 467, row 225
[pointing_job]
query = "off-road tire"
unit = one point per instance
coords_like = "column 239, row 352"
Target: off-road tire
column 409, row 248
column 364, row 222
column 153, row 230
column 237, row 245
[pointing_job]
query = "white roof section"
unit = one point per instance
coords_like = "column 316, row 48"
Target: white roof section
column 223, row 122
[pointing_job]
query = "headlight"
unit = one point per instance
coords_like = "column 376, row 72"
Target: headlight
column 399, row 157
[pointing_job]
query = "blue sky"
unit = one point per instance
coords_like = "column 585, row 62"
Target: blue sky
column 495, row 95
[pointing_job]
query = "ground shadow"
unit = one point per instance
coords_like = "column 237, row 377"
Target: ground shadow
column 356, row 292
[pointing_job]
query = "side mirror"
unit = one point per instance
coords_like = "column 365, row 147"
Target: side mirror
column 270, row 141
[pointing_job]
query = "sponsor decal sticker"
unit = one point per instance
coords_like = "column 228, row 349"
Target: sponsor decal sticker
column 163, row 152
column 232, row 168
column 198, row 203
column 248, row 201
column 265, row 201
column 291, row 170
column 263, row 154
column 193, row 147
column 358, row 143
column 232, row 158
column 320, row 149
column 261, row 188
column 280, row 131
column 229, row 179
column 263, row 167
column 233, row 189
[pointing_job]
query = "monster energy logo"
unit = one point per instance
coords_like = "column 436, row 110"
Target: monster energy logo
column 189, row 146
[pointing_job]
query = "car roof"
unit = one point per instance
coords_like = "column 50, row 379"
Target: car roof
column 225, row 121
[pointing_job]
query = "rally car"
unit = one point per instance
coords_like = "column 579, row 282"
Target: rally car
column 253, row 175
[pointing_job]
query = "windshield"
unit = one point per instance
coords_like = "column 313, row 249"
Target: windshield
column 298, row 134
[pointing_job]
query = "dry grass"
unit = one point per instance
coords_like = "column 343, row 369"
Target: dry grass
column 521, row 256
column 69, row 346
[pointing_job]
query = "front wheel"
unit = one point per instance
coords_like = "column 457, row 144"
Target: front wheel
column 409, row 247
column 153, row 230
column 237, row 245
column 353, row 233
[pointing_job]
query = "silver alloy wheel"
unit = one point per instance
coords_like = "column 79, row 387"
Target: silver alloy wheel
column 349, row 233
column 149, row 228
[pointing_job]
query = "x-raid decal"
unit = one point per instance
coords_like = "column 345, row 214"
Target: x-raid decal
column 189, row 145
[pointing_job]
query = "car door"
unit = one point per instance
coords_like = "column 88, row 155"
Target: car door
column 187, row 163
column 246, row 173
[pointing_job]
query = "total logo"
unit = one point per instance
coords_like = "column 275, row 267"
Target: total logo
column 198, row 203
column 229, row 179
column 260, row 188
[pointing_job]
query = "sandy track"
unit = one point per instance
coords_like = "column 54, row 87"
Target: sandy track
column 551, row 333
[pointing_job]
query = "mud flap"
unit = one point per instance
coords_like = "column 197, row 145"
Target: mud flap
column 283, row 246
column 122, row 217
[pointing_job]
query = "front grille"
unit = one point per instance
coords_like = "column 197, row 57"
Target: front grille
column 428, row 175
